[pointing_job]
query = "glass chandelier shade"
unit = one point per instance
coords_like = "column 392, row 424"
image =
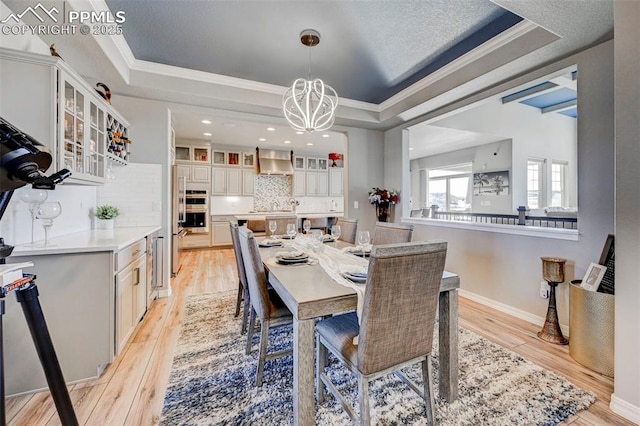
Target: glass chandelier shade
column 310, row 105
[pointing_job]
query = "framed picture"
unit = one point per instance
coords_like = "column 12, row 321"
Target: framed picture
column 593, row 276
column 491, row 183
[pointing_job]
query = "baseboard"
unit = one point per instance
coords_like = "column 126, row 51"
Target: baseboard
column 164, row 292
column 625, row 409
column 498, row 306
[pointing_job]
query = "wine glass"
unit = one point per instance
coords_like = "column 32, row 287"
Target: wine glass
column 47, row 212
column 273, row 226
column 363, row 240
column 335, row 233
column 33, row 197
column 306, row 225
column 291, row 230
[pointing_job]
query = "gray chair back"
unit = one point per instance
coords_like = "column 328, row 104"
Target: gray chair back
column 256, row 225
column 282, row 222
column 400, row 304
column 256, row 277
column 390, row 233
column 235, row 239
column 348, row 229
column 416, row 213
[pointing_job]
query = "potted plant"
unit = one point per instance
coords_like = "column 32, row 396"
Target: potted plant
column 105, row 214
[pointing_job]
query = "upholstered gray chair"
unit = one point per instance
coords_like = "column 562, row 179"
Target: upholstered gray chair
column 396, row 328
column 282, row 221
column 348, row 229
column 265, row 303
column 415, row 213
column 243, row 289
column 389, row 233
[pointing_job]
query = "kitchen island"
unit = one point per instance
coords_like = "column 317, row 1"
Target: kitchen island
column 92, row 289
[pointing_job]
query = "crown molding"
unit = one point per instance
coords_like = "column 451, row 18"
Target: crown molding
column 484, row 49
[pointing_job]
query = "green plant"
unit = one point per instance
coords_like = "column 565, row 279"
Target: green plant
column 107, row 212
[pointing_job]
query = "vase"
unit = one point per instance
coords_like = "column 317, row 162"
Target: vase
column 105, row 223
column 382, row 212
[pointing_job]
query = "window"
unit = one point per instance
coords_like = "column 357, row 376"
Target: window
column 558, row 183
column 535, row 183
column 449, row 188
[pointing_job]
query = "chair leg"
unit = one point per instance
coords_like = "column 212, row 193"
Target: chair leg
column 239, row 300
column 428, row 390
column 245, row 313
column 363, row 400
column 321, row 356
column 250, row 331
column 262, row 355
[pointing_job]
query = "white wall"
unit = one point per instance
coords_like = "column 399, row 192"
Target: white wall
column 626, row 398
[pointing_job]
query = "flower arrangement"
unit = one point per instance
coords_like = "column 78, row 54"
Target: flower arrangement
column 106, row 212
column 379, row 196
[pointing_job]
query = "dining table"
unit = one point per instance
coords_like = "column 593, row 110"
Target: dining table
column 311, row 293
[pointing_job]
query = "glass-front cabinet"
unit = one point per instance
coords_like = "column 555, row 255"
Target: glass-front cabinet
column 92, row 137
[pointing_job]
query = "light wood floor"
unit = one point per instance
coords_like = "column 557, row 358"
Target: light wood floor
column 131, row 390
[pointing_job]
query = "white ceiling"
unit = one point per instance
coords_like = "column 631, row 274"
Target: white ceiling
column 368, row 49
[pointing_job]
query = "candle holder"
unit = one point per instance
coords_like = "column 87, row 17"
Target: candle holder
column 553, row 273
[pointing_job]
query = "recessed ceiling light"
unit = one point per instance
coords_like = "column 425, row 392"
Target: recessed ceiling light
column 207, row 134
column 287, row 141
column 309, row 143
column 262, row 139
column 206, row 122
column 271, row 129
column 299, row 133
column 326, row 135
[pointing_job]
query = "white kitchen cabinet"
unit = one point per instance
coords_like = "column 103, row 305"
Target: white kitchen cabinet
column 200, row 173
column 299, row 162
column 221, row 232
column 194, row 154
column 248, row 182
column 336, row 177
column 234, row 181
column 54, row 105
column 184, row 170
column 317, row 184
column 218, row 180
column 130, row 292
column 299, row 183
column 226, row 181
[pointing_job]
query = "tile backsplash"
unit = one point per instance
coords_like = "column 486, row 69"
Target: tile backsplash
column 272, row 189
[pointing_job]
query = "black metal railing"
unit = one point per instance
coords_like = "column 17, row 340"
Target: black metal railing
column 507, row 219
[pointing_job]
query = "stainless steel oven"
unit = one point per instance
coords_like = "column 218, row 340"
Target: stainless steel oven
column 197, row 211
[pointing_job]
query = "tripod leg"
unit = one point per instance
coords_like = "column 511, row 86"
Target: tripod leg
column 28, row 298
column 3, row 416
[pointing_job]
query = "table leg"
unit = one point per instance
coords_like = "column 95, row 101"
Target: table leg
column 304, row 409
column 448, row 344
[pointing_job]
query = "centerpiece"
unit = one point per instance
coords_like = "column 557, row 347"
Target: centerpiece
column 383, row 199
column 106, row 214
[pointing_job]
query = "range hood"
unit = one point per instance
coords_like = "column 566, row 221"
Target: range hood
column 274, row 162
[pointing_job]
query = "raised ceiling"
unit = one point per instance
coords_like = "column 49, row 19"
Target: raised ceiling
column 369, row 50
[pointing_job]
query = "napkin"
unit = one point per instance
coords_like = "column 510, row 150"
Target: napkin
column 289, row 254
column 270, row 241
column 357, row 249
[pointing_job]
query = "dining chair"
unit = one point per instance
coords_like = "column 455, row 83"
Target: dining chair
column 243, row 289
column 282, row 221
column 401, row 294
column 348, row 229
column 426, row 212
column 415, row 213
column 266, row 305
column 389, row 233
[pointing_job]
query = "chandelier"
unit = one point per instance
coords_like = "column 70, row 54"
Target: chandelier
column 310, row 105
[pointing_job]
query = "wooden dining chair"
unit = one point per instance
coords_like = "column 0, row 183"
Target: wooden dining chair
column 265, row 303
column 243, row 288
column 282, row 221
column 389, row 233
column 401, row 294
column 348, row 229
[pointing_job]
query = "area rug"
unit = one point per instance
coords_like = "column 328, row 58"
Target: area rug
column 211, row 381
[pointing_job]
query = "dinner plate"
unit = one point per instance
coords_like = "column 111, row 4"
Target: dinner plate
column 287, row 237
column 328, row 239
column 292, row 261
column 356, row 278
column 270, row 244
column 359, row 253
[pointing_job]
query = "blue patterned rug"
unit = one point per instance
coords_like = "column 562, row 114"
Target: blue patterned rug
column 211, row 382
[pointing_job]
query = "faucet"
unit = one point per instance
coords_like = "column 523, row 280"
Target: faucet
column 294, row 204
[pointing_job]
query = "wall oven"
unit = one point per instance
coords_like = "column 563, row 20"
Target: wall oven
column 197, row 211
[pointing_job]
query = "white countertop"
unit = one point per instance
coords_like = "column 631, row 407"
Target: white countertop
column 309, row 215
column 87, row 241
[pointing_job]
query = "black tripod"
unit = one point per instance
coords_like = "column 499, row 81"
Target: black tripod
column 27, row 295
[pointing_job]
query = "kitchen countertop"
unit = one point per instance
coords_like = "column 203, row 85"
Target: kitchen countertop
column 87, row 241
column 309, row 215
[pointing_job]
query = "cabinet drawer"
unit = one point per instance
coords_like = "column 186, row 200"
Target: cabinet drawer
column 130, row 253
